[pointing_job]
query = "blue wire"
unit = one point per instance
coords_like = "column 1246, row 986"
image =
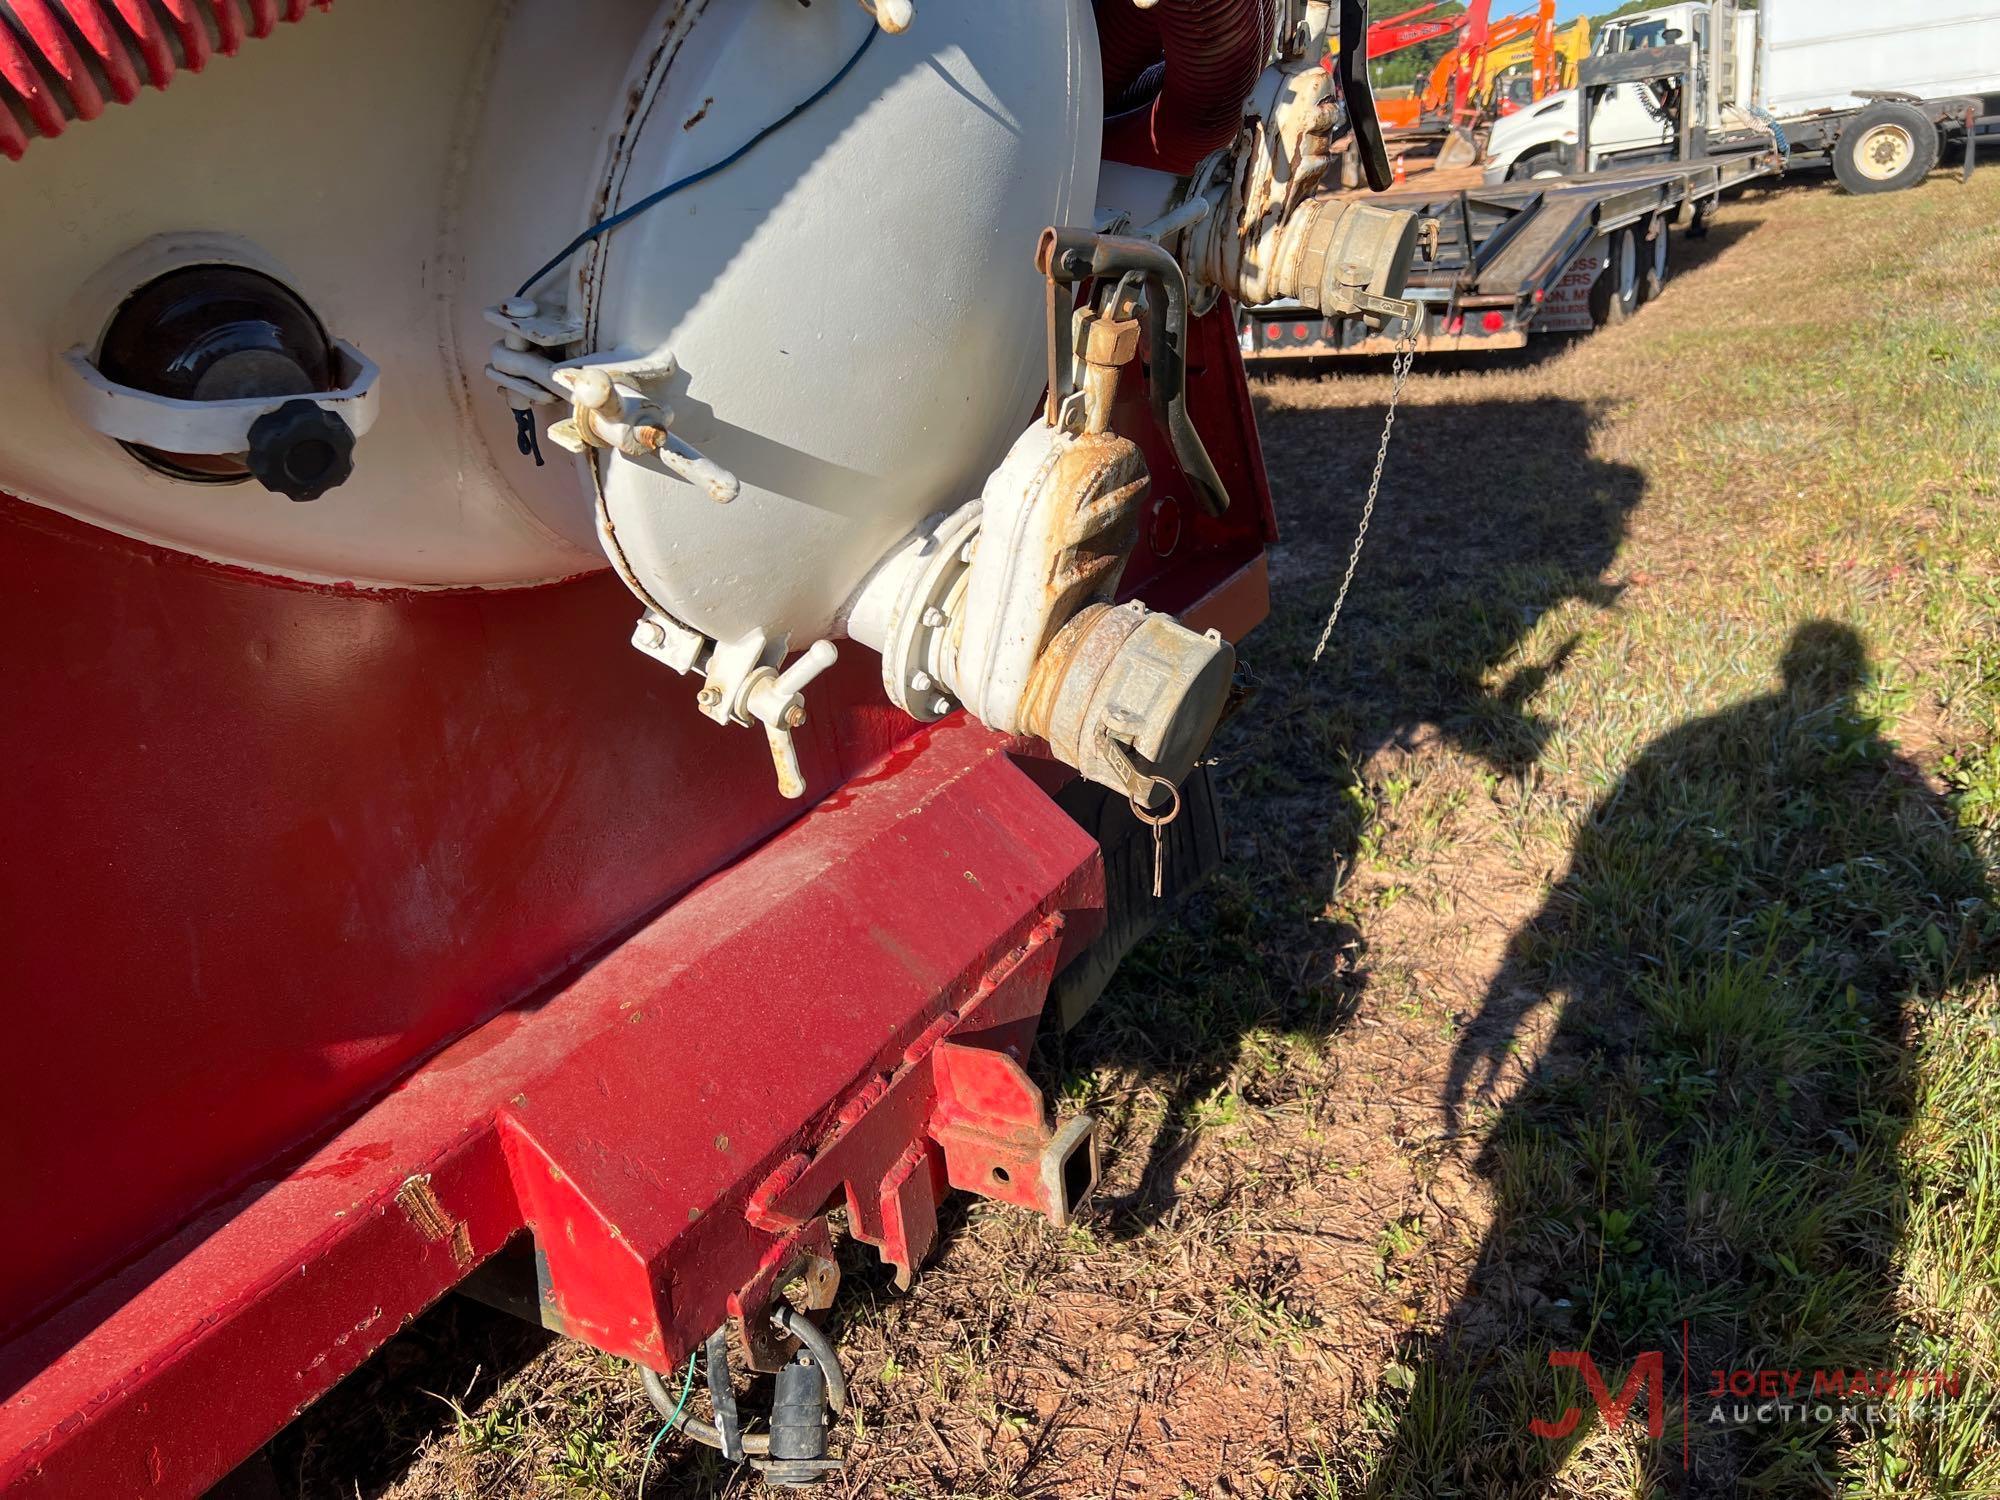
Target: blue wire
column 605, row 226
column 680, row 1406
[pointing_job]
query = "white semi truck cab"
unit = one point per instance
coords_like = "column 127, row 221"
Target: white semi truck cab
column 1876, row 90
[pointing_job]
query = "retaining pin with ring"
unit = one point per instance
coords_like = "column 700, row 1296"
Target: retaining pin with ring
column 1157, row 822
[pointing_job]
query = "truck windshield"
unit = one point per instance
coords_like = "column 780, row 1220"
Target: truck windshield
column 1640, row 34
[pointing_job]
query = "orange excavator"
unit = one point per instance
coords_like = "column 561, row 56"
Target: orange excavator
column 1458, row 91
column 1396, row 33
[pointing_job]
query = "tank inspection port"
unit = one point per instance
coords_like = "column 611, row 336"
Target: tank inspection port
column 216, row 373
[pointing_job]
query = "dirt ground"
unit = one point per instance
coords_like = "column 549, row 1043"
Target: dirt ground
column 1363, row 1162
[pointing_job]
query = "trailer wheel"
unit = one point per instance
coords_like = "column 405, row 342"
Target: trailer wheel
column 1887, row 147
column 1614, row 296
column 1657, row 251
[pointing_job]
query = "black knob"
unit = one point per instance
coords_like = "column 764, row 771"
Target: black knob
column 301, row 450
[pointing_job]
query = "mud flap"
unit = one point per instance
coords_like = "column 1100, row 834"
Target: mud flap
column 1192, row 850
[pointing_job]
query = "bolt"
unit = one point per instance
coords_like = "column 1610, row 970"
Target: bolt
column 921, row 683
column 795, row 716
column 941, row 706
column 708, row 697
column 519, row 307
column 965, row 552
column 933, row 617
column 648, row 634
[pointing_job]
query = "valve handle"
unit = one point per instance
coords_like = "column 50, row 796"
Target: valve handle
column 777, row 701
column 814, row 660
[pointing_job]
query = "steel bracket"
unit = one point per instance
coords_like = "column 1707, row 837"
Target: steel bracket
column 805, row 1256
column 959, row 1111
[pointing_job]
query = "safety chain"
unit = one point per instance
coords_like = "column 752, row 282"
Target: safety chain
column 1406, row 355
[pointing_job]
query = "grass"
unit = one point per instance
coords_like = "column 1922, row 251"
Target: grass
column 1608, row 946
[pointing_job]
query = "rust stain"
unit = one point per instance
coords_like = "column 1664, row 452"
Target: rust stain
column 419, row 1201
column 695, row 119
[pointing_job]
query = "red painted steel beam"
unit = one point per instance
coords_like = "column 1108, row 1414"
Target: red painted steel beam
column 624, row 1118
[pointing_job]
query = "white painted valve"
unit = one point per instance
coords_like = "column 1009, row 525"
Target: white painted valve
column 777, row 701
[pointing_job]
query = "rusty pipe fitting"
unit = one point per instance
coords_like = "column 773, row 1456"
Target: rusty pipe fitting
column 1125, row 695
column 1328, row 250
column 1109, row 344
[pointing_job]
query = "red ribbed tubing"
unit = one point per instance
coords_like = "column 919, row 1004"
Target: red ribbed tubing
column 46, row 47
column 1214, row 50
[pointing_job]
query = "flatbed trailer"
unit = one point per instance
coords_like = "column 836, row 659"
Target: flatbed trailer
column 1508, row 260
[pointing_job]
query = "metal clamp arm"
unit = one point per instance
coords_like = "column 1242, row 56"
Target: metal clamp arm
column 1068, row 255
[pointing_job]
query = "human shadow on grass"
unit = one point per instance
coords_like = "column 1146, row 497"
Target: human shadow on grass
column 1750, row 925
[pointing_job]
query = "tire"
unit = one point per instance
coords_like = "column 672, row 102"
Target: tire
column 1614, row 296
column 1543, row 161
column 1886, row 148
column 1655, row 254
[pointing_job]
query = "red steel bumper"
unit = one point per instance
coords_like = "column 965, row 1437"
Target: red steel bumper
column 837, row 1018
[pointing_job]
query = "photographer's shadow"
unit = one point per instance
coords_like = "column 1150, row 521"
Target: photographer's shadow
column 1751, row 920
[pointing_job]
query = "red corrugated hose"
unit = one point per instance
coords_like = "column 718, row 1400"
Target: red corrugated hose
column 1213, row 49
column 54, row 54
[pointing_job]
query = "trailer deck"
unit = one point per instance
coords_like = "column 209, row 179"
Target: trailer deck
column 1503, row 253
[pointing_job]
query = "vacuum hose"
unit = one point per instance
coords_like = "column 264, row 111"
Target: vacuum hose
column 59, row 58
column 1214, row 51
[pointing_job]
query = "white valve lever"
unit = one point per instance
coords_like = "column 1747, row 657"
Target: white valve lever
column 722, row 486
column 608, row 413
column 813, row 661
column 777, row 701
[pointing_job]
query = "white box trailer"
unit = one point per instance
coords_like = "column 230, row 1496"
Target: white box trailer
column 1832, row 54
column 1879, row 89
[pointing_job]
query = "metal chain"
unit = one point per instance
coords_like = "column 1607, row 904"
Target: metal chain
column 1406, row 355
